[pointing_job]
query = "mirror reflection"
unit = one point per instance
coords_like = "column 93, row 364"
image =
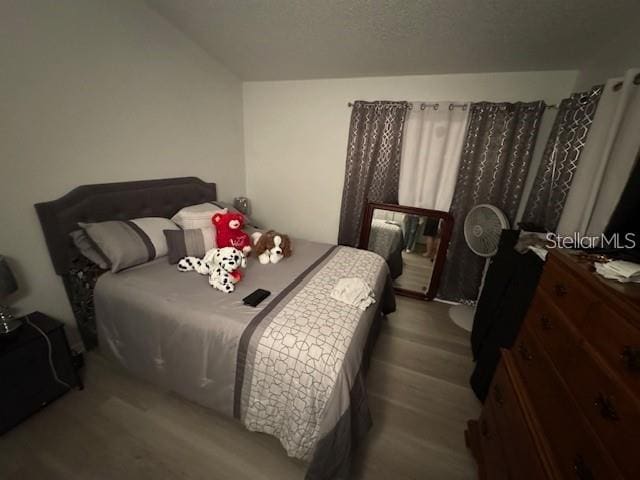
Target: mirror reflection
column 409, row 242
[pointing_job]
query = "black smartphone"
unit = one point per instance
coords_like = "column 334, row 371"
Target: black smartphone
column 256, row 297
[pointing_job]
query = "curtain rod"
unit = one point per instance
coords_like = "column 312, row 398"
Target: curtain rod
column 451, row 106
column 424, row 105
column 436, row 105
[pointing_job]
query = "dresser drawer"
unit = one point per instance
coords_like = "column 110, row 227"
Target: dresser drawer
column 550, row 327
column 574, row 447
column 494, row 460
column 617, row 341
column 613, row 412
column 518, row 446
column 566, row 291
column 24, row 372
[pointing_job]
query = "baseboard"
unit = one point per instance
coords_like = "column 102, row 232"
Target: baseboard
column 448, row 302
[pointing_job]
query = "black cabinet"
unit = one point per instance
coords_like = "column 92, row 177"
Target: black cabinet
column 27, row 382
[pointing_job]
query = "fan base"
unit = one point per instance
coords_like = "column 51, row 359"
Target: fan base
column 462, row 316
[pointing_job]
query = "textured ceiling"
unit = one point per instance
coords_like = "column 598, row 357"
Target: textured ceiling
column 289, row 39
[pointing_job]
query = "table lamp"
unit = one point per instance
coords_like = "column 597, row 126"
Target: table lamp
column 8, row 285
column 242, row 204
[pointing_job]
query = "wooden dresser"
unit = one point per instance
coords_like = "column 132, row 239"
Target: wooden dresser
column 565, row 400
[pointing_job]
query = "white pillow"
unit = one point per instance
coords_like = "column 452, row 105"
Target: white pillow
column 196, row 216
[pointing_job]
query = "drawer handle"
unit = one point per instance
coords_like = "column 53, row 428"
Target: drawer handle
column 497, row 394
column 560, row 290
column 546, row 322
column 524, row 352
column 631, row 357
column 484, row 428
column 604, row 403
column 583, row 472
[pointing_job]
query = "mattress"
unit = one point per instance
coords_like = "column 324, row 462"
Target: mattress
column 290, row 367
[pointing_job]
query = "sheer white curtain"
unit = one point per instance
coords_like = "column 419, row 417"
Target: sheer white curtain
column 607, row 159
column 431, row 152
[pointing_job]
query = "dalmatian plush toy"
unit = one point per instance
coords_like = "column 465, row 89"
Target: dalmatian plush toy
column 221, row 264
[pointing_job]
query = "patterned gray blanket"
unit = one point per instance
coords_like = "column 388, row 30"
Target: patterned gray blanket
column 385, row 237
column 291, row 368
column 297, row 351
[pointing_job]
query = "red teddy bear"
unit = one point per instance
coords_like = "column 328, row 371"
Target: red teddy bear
column 229, row 231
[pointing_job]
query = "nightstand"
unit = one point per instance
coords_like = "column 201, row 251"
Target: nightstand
column 27, row 382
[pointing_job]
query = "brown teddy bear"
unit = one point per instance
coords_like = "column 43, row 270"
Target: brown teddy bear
column 271, row 246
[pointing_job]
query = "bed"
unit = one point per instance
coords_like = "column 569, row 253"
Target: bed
column 387, row 240
column 293, row 367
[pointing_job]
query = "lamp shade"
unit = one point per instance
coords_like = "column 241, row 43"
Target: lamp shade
column 242, row 204
column 8, row 282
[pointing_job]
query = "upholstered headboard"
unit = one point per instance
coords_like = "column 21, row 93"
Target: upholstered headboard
column 114, row 201
column 101, row 202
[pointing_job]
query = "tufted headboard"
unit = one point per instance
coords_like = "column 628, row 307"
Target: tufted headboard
column 114, row 201
column 107, row 201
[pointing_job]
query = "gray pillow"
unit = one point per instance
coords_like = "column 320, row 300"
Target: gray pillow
column 194, row 242
column 130, row 242
column 88, row 249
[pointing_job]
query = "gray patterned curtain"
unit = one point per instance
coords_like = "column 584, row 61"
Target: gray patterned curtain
column 560, row 159
column 494, row 165
column 373, row 162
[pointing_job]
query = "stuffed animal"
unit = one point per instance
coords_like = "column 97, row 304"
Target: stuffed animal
column 229, row 231
column 221, row 264
column 271, row 246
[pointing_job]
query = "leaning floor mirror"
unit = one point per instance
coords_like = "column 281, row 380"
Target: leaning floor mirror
column 414, row 243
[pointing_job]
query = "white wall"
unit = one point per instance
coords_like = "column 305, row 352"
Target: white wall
column 612, row 59
column 99, row 91
column 295, row 135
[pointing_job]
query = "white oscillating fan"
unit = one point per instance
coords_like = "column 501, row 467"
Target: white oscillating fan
column 482, row 228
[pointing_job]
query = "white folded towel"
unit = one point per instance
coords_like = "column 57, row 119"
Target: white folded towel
column 619, row 270
column 354, row 292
